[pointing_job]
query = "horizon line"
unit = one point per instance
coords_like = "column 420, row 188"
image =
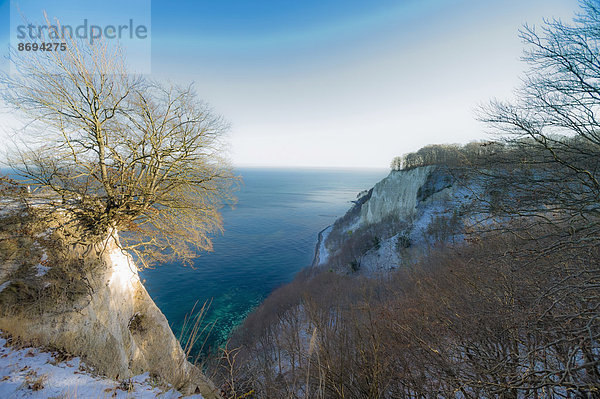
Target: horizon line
column 261, row 166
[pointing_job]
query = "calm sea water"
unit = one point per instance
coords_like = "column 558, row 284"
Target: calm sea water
column 269, row 236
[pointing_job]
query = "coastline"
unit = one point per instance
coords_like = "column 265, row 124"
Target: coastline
column 316, row 259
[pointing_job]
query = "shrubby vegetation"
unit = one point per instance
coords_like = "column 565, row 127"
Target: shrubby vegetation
column 348, row 246
column 449, row 155
column 462, row 320
column 511, row 312
column 29, row 241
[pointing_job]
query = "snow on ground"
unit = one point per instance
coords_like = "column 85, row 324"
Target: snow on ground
column 323, row 252
column 33, row 373
column 381, row 259
column 42, row 267
column 4, row 285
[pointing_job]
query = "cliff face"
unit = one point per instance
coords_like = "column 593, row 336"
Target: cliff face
column 396, row 194
column 402, row 214
column 406, row 194
column 112, row 323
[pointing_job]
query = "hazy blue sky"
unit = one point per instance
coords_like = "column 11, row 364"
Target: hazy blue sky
column 340, row 83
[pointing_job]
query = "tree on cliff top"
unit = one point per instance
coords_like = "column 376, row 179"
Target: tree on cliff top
column 117, row 152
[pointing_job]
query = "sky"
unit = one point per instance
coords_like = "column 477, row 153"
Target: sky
column 332, row 83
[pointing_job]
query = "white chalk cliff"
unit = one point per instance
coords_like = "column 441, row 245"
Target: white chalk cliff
column 405, row 209
column 114, row 327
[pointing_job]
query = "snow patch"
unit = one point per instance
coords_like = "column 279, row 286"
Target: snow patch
column 41, row 268
column 382, row 259
column 44, row 233
column 323, row 253
column 4, row 285
column 33, row 373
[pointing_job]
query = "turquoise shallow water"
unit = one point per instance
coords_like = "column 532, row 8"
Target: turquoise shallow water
column 269, row 236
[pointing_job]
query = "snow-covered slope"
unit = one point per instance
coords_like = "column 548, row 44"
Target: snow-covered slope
column 88, row 300
column 33, row 373
column 399, row 217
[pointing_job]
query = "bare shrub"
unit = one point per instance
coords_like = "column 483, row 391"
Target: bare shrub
column 480, row 319
column 351, row 245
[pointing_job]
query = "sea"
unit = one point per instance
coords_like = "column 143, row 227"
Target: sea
column 269, row 236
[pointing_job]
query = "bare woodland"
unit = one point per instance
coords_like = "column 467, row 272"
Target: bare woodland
column 511, row 312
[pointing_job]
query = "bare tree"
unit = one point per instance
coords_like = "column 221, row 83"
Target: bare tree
column 117, row 152
column 552, row 174
column 396, row 164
